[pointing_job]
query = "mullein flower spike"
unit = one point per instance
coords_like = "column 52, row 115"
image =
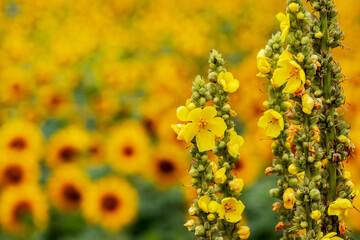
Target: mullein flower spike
column 313, row 187
column 210, row 129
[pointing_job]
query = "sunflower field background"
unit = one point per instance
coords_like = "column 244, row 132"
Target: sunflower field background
column 88, row 90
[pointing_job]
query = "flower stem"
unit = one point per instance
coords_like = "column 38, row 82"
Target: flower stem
column 330, row 135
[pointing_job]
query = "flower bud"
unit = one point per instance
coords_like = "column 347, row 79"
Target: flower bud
column 294, row 7
column 244, row 232
column 315, row 194
column 210, row 216
column 292, row 169
column 199, row 231
column 318, row 35
column 315, row 215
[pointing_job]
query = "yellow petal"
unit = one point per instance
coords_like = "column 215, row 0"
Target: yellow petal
column 233, row 85
column 208, row 113
column 205, row 140
column 217, row 126
column 204, row 202
column 182, row 113
column 195, row 115
column 280, row 76
column 292, row 85
column 213, row 206
column 273, row 131
column 189, row 131
column 284, row 33
column 281, row 17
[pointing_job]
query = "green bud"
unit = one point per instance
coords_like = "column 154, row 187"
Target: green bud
column 315, row 194
column 199, row 231
column 304, row 224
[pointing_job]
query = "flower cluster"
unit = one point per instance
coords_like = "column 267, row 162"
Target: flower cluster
column 312, row 185
column 210, row 129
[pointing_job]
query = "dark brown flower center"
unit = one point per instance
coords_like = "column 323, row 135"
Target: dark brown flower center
column 21, row 210
column 110, row 203
column 166, row 166
column 55, row 101
column 68, row 153
column 13, row 174
column 18, row 143
column 128, row 151
column 71, row 194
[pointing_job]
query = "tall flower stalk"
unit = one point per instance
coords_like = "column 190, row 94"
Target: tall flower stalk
column 320, row 194
column 207, row 124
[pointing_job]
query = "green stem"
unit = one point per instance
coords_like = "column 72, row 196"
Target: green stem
column 327, row 87
column 308, row 175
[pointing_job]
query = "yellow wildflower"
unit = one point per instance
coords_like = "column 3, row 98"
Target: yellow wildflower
column 316, row 214
column 292, row 169
column 273, row 121
column 318, row 35
column 331, row 236
column 207, row 205
column 205, row 126
column 340, row 207
column 231, row 209
column 236, row 185
column 234, row 143
column 300, row 176
column 227, row 81
column 262, row 64
column 183, row 111
column 308, row 103
column 289, row 72
column 284, row 25
column 244, row 232
column 294, row 7
column 220, row 176
column 289, row 198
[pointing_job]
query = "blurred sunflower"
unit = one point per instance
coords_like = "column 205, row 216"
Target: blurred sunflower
column 55, row 101
column 168, row 165
column 16, row 171
column 67, row 146
column 111, row 202
column 15, row 85
column 23, row 209
column 67, row 187
column 20, row 138
column 127, row 147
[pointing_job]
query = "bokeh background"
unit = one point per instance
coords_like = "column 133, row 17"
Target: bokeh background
column 88, row 90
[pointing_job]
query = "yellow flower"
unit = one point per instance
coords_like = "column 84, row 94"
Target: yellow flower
column 220, row 175
column 67, row 146
column 67, row 187
column 205, row 126
column 227, row 81
column 111, row 202
column 182, row 112
column 294, row 7
column 284, row 25
column 331, row 236
column 20, row 138
column 17, row 171
column 318, row 35
column 293, row 169
column 236, row 184
column 127, row 147
column 308, row 103
column 262, row 64
column 17, row 203
column 340, row 207
column 231, row 209
column 289, row 72
column 300, row 176
column 315, row 215
column 234, row 143
column 167, row 166
column 289, row 198
column 207, row 205
column 273, row 121
column 244, row 232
